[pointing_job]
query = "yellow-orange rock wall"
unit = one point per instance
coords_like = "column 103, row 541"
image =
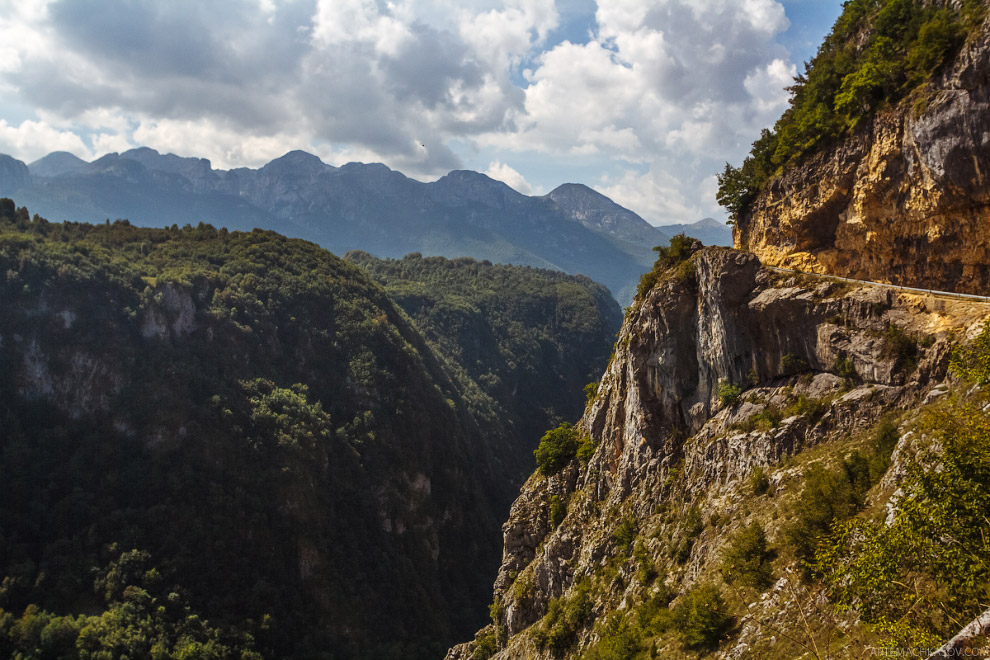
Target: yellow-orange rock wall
column 904, row 199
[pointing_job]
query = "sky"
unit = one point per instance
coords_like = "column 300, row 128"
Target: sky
column 643, row 100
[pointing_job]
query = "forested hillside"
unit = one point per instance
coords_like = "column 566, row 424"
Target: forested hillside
column 215, row 442
column 532, row 339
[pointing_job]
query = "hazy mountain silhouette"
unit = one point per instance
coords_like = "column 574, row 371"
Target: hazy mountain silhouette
column 357, row 206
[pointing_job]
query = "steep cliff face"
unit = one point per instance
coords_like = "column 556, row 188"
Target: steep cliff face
column 724, row 371
column 904, row 199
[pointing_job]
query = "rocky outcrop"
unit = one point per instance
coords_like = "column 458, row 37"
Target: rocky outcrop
column 719, row 370
column 905, row 199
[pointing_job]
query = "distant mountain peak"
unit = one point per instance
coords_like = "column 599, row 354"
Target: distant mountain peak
column 300, row 157
column 105, row 159
column 366, row 167
column 56, row 163
column 14, row 174
column 601, row 214
column 296, row 164
column 577, row 190
column 470, row 175
column 193, row 169
column 141, row 151
column 460, row 187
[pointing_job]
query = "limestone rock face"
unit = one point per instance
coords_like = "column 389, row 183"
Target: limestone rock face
column 814, row 356
column 904, row 199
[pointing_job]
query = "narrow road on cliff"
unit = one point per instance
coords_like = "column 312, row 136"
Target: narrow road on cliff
column 933, row 292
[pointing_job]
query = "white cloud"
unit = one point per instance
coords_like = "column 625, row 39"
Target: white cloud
column 31, row 140
column 10, row 59
column 673, row 87
column 504, row 173
column 346, row 22
column 506, row 34
column 224, row 146
column 579, row 98
column 658, row 196
column 681, row 85
column 767, row 86
column 105, row 143
column 706, row 194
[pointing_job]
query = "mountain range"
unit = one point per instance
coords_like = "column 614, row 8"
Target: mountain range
column 225, row 444
column 356, row 206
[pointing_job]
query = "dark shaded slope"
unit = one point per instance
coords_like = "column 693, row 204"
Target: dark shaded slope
column 256, row 415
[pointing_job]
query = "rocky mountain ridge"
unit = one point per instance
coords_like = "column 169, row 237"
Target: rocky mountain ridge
column 723, row 370
column 353, row 207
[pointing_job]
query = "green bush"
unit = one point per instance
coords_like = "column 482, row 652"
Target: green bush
column 728, row 394
column 557, row 448
column 882, row 443
column 673, row 256
column 647, row 571
column 829, row 495
column 846, row 370
column 564, row 617
column 928, row 569
column 759, row 482
column 810, row 408
column 747, row 559
column 591, row 391
column 485, row 646
column 832, row 496
column 902, row 346
column 625, row 532
column 693, row 524
column 558, row 510
column 972, row 361
column 680, row 249
column 646, row 283
column 682, row 551
column 585, row 450
column 703, row 618
column 617, row 640
column 739, row 186
column 685, row 272
column 136, row 624
column 792, row 364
